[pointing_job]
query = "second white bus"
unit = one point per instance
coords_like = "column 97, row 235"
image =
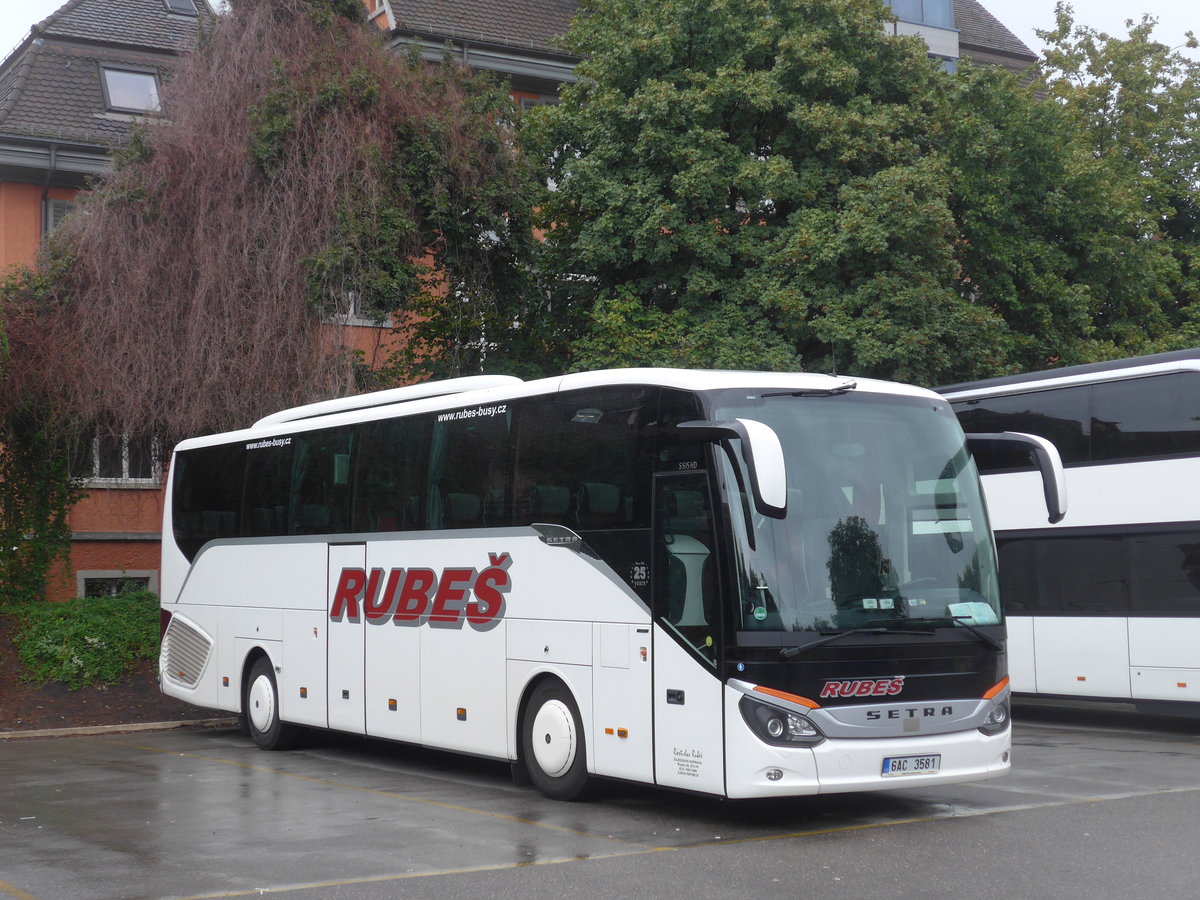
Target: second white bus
column 1106, row 603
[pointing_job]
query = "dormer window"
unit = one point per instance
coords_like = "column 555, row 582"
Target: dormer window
column 130, row 90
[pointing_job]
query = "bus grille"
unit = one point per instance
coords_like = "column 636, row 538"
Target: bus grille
column 185, row 652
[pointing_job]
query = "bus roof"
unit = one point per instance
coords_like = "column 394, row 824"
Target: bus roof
column 473, row 390
column 1112, row 370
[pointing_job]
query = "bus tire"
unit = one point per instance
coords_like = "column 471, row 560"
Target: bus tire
column 260, row 710
column 552, row 743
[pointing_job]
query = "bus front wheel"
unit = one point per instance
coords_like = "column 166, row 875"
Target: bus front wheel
column 552, row 743
column 260, row 710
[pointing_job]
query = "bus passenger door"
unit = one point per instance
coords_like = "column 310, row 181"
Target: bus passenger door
column 688, row 725
column 347, row 643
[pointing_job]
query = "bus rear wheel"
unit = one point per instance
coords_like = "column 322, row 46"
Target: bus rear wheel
column 260, row 710
column 552, row 743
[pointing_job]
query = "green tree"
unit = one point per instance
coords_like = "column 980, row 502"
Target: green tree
column 36, row 485
column 1050, row 235
column 1136, row 105
column 754, row 184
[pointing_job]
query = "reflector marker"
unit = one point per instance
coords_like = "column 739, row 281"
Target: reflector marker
column 791, row 698
column 996, row 688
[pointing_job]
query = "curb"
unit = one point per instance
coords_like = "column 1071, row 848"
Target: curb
column 84, row 730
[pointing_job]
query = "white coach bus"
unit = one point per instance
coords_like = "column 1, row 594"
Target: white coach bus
column 737, row 584
column 1105, row 604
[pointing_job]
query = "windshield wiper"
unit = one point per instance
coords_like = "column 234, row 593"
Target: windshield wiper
column 815, row 392
column 791, row 652
column 984, row 638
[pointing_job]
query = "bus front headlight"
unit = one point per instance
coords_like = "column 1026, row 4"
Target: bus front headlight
column 997, row 719
column 778, row 726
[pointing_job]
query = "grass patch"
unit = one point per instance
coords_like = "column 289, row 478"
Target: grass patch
column 86, row 641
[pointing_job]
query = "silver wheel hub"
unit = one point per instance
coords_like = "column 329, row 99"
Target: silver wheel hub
column 260, row 703
column 554, row 738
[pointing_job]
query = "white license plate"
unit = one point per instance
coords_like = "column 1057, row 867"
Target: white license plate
column 911, row 765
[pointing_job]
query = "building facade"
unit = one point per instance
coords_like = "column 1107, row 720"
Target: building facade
column 70, row 92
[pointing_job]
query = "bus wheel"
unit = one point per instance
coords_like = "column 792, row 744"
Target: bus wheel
column 552, row 743
column 260, row 710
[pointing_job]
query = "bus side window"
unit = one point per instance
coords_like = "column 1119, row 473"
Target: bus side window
column 582, row 460
column 268, row 484
column 207, row 496
column 470, row 472
column 389, row 482
column 319, row 501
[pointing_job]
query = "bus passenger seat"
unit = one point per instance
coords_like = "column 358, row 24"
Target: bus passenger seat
column 461, row 511
column 549, row 501
column 598, row 505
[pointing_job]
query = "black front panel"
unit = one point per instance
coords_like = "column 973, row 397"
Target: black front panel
column 936, row 667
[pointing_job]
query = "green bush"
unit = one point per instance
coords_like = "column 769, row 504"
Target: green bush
column 88, row 640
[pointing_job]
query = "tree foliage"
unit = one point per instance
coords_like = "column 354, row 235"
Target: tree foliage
column 36, row 485
column 1135, row 104
column 305, row 169
column 755, row 184
column 781, row 185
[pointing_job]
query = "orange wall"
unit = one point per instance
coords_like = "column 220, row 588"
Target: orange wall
column 118, row 510
column 21, row 221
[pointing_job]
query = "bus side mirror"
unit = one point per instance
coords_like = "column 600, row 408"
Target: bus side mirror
column 763, row 454
column 1045, row 457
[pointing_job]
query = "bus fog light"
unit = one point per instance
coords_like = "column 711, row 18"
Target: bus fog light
column 774, row 774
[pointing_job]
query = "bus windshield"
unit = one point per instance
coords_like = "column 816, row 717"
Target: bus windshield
column 885, row 523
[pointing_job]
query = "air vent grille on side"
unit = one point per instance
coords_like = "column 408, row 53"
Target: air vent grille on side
column 185, row 650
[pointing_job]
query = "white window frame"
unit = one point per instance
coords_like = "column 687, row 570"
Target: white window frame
column 106, row 68
column 83, row 576
column 125, row 480
column 54, row 211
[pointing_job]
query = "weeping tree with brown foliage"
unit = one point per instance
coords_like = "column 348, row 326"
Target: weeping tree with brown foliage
column 302, row 170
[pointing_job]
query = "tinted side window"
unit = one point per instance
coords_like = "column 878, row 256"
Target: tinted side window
column 1018, row 581
column 1081, row 575
column 583, row 459
column 1166, row 573
column 470, row 468
column 390, row 492
column 675, row 454
column 1147, row 417
column 1149, row 572
column 266, row 506
column 206, row 499
column 320, row 482
column 1062, row 416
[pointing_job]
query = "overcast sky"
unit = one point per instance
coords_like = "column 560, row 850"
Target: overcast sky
column 1021, row 16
